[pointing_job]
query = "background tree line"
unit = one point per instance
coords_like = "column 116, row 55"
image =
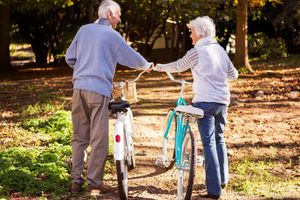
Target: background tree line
column 261, row 28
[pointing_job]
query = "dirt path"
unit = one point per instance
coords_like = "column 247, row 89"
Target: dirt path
column 263, row 123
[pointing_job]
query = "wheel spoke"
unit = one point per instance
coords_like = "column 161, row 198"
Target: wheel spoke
column 187, row 171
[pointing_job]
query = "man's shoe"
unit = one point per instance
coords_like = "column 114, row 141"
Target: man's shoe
column 76, row 188
column 210, row 196
column 96, row 190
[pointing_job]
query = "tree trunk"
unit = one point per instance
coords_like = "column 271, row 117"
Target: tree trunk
column 241, row 42
column 4, row 38
column 90, row 13
column 40, row 51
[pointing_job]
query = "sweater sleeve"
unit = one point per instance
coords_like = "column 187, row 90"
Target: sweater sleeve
column 127, row 56
column 189, row 60
column 70, row 56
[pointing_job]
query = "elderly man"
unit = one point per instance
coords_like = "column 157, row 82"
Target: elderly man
column 211, row 68
column 93, row 54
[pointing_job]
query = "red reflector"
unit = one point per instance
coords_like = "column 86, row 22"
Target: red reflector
column 118, row 138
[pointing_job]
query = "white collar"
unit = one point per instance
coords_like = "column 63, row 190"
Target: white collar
column 104, row 21
column 206, row 41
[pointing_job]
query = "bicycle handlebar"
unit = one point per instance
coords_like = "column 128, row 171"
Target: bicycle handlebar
column 138, row 77
column 124, row 84
column 182, row 82
column 141, row 73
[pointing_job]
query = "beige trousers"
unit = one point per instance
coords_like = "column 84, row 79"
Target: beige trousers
column 90, row 127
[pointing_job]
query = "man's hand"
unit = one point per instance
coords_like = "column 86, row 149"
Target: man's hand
column 150, row 68
column 158, row 68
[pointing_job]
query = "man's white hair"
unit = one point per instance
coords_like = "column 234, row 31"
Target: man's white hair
column 204, row 26
column 107, row 6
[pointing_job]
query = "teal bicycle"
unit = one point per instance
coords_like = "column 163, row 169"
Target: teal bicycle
column 179, row 145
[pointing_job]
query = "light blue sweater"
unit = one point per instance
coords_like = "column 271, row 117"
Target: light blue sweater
column 94, row 53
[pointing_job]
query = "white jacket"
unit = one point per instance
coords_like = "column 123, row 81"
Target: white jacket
column 211, row 69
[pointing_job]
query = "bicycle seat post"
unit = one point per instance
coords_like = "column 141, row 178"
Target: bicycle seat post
column 122, row 86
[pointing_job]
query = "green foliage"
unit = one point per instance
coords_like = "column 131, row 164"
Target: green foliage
column 57, row 126
column 257, row 178
column 44, row 23
column 43, row 169
column 278, row 19
column 34, row 171
column 41, row 108
column 263, row 47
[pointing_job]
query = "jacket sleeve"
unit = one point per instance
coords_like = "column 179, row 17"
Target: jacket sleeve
column 189, row 60
column 232, row 72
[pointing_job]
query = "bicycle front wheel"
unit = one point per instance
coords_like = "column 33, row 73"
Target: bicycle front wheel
column 169, row 140
column 131, row 164
column 129, row 139
column 122, row 175
column 186, row 173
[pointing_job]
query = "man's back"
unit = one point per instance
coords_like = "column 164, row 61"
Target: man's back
column 94, row 53
column 95, row 65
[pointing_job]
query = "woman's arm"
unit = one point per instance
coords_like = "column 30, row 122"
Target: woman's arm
column 189, row 60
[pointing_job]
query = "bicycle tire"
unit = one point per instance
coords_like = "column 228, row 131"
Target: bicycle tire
column 186, row 174
column 131, row 159
column 131, row 165
column 122, row 176
column 169, row 141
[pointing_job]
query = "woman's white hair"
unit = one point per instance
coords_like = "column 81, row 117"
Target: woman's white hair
column 204, row 26
column 107, row 6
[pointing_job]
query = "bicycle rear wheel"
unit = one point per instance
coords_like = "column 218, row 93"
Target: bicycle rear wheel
column 169, row 140
column 186, row 173
column 122, row 175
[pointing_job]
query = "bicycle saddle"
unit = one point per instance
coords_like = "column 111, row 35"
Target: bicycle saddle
column 118, row 105
column 197, row 112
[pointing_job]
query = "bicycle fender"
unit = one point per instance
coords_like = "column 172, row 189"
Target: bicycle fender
column 119, row 141
column 128, row 123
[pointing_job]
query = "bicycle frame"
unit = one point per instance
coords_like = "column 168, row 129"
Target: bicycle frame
column 123, row 129
column 182, row 124
column 181, row 128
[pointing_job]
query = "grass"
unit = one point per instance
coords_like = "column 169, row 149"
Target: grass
column 293, row 60
column 43, row 166
column 252, row 177
column 21, row 51
column 37, row 170
column 41, row 108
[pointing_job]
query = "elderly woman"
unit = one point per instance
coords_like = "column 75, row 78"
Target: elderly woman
column 211, row 68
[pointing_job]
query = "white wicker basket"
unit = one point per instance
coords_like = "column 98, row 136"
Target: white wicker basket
column 129, row 90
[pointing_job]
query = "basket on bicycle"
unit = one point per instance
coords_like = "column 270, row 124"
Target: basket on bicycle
column 129, row 92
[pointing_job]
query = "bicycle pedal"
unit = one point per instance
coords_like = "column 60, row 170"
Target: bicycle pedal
column 160, row 160
column 186, row 167
column 199, row 160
